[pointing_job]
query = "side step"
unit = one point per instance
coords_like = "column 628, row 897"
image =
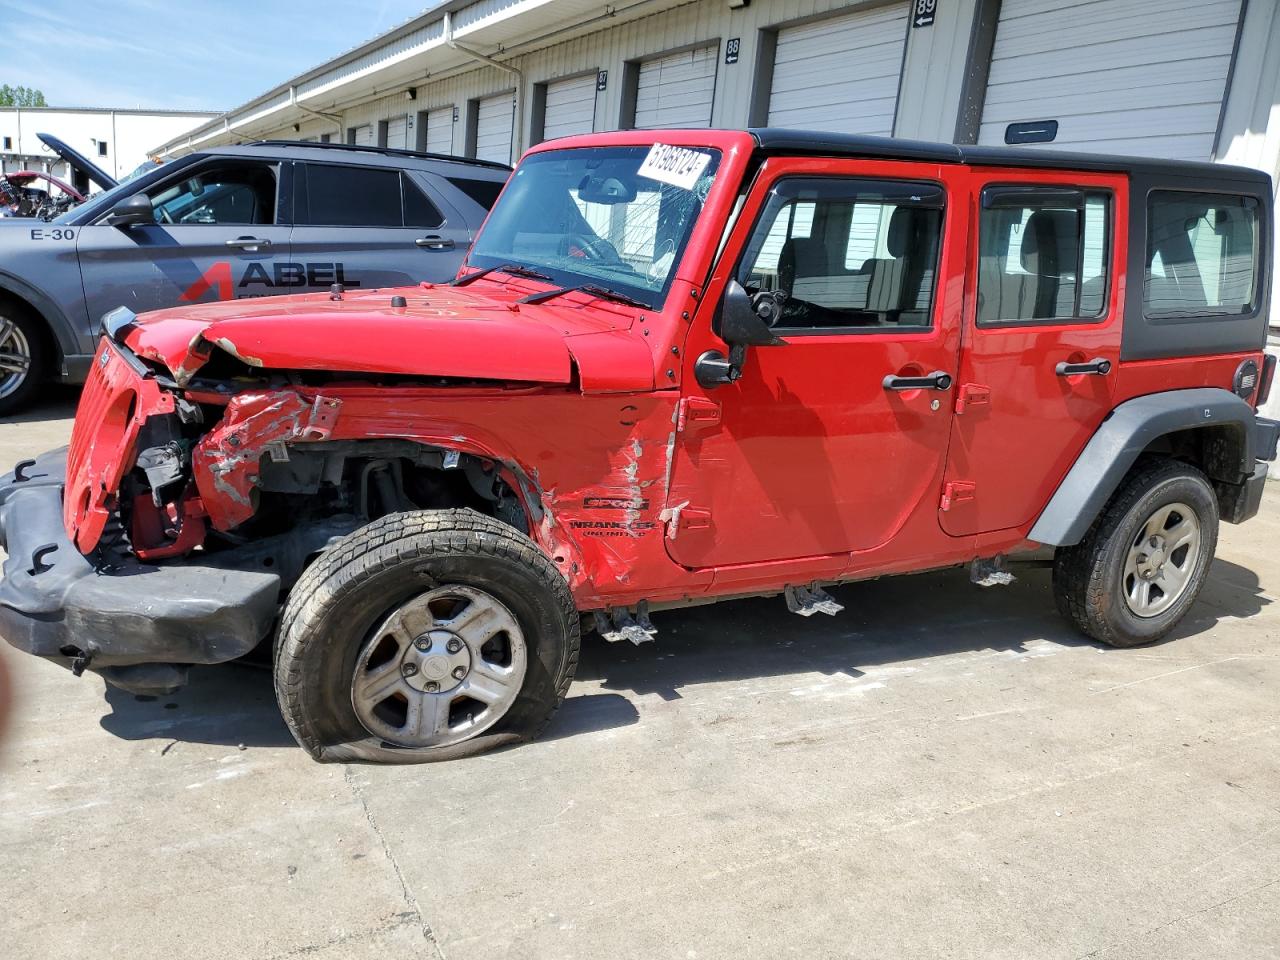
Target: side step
column 807, row 601
column 619, row 624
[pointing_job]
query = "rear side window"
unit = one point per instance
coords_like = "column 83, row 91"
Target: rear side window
column 342, row 196
column 1044, row 254
column 1202, row 254
column 483, row 192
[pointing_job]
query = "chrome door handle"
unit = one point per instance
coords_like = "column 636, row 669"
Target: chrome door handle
column 248, row 243
column 1098, row 367
column 938, row 380
column 434, row 243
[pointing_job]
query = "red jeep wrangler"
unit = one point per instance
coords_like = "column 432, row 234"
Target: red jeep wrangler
column 678, row 366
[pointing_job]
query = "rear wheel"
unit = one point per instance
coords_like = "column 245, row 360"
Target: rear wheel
column 425, row 636
column 22, row 359
column 1144, row 561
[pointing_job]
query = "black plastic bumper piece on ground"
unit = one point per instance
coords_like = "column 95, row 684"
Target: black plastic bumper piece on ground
column 54, row 604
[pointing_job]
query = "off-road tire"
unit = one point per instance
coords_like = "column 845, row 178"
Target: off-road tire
column 349, row 587
column 37, row 343
column 1087, row 577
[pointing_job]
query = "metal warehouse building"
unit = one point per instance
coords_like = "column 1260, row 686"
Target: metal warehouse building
column 1197, row 79
column 1170, row 78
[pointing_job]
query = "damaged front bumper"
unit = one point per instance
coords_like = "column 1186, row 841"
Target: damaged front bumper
column 138, row 625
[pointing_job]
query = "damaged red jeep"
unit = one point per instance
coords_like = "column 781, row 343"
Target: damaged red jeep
column 677, row 366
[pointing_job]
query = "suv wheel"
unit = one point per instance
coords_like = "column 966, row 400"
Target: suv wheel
column 1143, row 562
column 22, row 359
column 425, row 636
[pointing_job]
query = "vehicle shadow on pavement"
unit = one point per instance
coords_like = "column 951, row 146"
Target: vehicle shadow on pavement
column 885, row 622
column 229, row 703
column 55, row 402
column 891, row 621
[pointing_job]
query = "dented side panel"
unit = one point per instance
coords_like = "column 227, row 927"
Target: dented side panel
column 594, row 468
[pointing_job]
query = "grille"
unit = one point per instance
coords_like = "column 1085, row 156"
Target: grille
column 112, row 407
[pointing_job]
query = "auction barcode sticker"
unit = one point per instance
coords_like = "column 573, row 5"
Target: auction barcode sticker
column 677, row 166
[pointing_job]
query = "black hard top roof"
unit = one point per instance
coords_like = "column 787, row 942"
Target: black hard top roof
column 772, row 140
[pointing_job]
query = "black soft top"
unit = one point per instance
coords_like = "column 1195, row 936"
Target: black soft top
column 776, row 141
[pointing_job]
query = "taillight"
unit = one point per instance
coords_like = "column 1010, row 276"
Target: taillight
column 1268, row 374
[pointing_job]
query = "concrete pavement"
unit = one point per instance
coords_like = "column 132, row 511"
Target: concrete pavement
column 940, row 771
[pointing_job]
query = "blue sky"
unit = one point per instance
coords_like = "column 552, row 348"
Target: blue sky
column 179, row 54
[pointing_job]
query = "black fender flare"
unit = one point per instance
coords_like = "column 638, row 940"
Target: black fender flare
column 63, row 332
column 1123, row 435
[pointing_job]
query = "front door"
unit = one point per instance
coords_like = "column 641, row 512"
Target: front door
column 831, row 442
column 1042, row 341
column 221, row 232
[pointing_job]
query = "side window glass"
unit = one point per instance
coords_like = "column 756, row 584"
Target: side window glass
column 1044, row 254
column 341, row 196
column 232, row 193
column 419, row 211
column 848, row 253
column 1201, row 254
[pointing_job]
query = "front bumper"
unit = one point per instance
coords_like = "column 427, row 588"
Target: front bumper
column 54, row 603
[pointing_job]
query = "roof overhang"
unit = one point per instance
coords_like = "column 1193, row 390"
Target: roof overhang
column 414, row 55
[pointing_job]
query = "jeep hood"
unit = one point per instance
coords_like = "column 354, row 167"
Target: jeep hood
column 441, row 332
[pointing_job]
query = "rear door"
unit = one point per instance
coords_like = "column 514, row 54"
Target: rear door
column 222, row 231
column 834, row 441
column 374, row 227
column 1042, row 340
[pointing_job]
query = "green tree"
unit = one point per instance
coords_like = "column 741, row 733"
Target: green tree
column 21, row 97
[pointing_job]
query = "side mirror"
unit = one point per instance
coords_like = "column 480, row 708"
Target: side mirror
column 131, row 210
column 742, row 321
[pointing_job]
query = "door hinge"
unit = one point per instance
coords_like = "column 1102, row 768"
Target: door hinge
column 972, row 394
column 684, row 517
column 957, row 491
column 696, row 410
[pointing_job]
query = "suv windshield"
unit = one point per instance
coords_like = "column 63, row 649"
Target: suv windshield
column 616, row 217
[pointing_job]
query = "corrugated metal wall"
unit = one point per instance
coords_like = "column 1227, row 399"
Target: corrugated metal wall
column 698, row 23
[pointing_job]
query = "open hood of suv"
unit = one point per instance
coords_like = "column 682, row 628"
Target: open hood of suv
column 78, row 161
column 441, row 332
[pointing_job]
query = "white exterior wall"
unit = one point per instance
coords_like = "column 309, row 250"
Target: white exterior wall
column 129, row 136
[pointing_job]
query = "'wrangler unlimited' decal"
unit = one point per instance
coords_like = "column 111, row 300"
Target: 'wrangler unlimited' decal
column 282, row 275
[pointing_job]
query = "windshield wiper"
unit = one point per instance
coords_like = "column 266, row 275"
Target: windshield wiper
column 512, row 268
column 591, row 288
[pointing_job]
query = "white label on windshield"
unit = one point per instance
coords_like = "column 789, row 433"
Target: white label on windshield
column 677, row 166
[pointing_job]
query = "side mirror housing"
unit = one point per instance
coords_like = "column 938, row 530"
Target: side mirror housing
column 742, row 321
column 746, row 322
column 131, row 210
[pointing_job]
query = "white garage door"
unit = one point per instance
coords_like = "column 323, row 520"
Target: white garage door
column 364, row 136
column 840, row 73
column 571, row 107
column 493, row 128
column 1144, row 77
column 677, row 90
column 398, row 133
column 440, row 131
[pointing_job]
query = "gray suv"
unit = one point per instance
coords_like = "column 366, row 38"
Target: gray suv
column 268, row 218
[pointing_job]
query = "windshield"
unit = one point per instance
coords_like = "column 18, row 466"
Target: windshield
column 616, row 217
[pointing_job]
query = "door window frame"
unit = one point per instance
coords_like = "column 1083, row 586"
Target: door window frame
column 1086, row 184
column 845, row 175
column 279, row 170
column 303, row 195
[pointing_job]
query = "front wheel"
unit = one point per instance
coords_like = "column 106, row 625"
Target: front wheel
column 425, row 636
column 1144, row 561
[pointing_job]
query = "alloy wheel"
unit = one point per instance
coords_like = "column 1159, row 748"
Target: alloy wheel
column 15, row 357
column 442, row 667
column 1161, row 560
